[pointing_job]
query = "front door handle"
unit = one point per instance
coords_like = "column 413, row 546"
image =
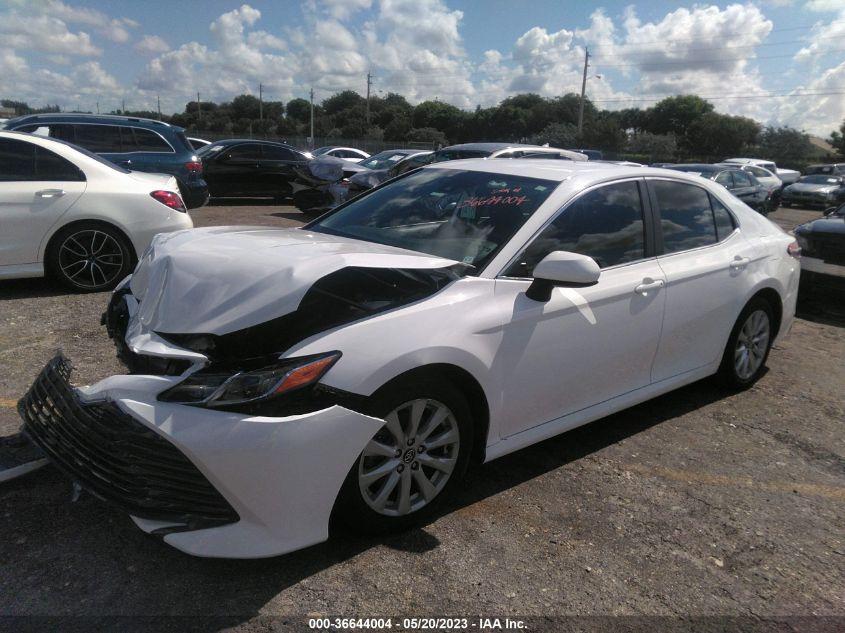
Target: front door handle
column 740, row 262
column 50, row 193
column 649, row 284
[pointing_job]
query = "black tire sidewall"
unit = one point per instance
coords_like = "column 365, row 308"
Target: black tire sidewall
column 727, row 370
column 54, row 271
column 351, row 509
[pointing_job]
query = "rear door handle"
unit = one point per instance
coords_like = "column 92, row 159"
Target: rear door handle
column 50, row 193
column 649, row 284
column 739, row 263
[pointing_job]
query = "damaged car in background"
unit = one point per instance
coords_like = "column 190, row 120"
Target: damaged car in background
column 284, row 380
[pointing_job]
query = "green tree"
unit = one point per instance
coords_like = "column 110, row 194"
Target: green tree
column 656, row 146
column 676, row 115
column 299, row 110
column 837, row 139
column 719, row 136
column 440, row 116
column 426, row 135
column 562, row 135
column 785, row 144
column 342, row 101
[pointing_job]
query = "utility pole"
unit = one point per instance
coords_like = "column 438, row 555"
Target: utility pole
column 369, row 83
column 98, row 107
column 260, row 102
column 199, row 109
column 312, row 118
column 583, row 90
column 158, row 102
column 123, row 106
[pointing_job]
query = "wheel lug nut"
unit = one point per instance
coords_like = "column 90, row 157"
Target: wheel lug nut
column 415, row 466
column 400, row 468
column 410, row 441
column 397, row 453
column 420, row 449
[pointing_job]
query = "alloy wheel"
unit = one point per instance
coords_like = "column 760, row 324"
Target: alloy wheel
column 409, row 461
column 751, row 344
column 90, row 258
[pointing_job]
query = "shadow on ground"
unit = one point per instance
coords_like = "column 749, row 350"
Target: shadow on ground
column 102, row 552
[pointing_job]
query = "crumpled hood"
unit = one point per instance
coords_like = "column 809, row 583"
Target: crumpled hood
column 222, row 279
column 812, row 187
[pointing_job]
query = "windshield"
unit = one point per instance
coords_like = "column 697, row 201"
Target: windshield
column 704, row 170
column 383, row 160
column 466, row 216
column 819, row 180
column 458, row 154
column 208, row 150
column 320, row 150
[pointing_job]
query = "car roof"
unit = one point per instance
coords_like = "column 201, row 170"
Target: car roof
column 489, row 147
column 706, row 166
column 236, row 141
column 75, row 117
column 559, row 170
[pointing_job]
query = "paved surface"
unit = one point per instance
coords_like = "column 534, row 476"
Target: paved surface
column 699, row 503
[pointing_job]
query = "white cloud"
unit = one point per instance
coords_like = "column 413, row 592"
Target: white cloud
column 43, row 34
column 152, row 45
column 343, row 9
column 114, row 29
column 824, row 6
column 809, row 108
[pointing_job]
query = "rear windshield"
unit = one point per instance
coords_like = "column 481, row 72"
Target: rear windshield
column 467, row 216
column 695, row 169
column 458, row 154
column 208, row 150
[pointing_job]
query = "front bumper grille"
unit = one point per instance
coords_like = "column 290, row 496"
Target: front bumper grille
column 115, row 457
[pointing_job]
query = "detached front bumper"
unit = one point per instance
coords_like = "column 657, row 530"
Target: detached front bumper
column 211, row 483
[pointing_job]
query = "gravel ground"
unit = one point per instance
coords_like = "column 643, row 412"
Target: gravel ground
column 698, row 503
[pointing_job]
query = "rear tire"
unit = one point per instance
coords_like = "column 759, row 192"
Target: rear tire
column 89, row 257
column 414, row 483
column 748, row 347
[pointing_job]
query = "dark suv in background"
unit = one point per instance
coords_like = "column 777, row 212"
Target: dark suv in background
column 133, row 143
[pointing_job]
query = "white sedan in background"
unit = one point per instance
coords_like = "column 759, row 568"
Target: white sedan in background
column 353, row 368
column 346, row 153
column 76, row 217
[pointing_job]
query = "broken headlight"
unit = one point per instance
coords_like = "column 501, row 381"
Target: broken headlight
column 225, row 388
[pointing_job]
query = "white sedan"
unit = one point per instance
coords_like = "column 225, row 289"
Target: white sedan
column 346, row 153
column 353, row 368
column 76, row 217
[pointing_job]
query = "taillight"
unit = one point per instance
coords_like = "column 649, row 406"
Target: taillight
column 194, row 166
column 794, row 250
column 169, row 199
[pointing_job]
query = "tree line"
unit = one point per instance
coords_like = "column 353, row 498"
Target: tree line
column 683, row 127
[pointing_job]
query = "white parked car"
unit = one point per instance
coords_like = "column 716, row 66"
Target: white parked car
column 346, row 153
column 787, row 176
column 76, row 217
column 354, row 367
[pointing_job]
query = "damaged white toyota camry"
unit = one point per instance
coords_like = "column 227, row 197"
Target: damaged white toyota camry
column 350, row 370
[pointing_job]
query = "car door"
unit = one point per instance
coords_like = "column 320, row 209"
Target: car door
column 37, row 187
column 276, row 169
column 706, row 262
column 235, row 171
column 585, row 345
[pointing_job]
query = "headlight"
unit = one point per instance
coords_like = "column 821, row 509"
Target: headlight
column 802, row 241
column 222, row 388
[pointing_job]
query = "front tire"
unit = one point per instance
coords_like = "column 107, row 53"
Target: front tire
column 748, row 346
column 89, row 257
column 413, row 463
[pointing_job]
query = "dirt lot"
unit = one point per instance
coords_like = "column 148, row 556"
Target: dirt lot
column 698, row 503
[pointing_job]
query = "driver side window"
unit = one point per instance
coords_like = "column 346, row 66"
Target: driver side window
column 605, row 224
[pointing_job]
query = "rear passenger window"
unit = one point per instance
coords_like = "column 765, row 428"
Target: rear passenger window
column 50, row 166
column 17, row 160
column 100, row 139
column 605, row 224
column 724, row 179
column 685, row 216
column 742, row 179
column 148, row 141
column 724, row 220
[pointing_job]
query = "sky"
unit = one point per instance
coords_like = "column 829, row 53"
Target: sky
column 781, row 62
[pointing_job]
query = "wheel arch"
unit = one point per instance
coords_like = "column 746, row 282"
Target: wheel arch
column 468, row 385
column 50, row 241
column 773, row 298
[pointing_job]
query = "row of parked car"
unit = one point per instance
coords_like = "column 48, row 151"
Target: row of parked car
column 100, row 235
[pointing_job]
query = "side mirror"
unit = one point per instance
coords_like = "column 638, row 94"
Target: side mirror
column 830, row 211
column 562, row 268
